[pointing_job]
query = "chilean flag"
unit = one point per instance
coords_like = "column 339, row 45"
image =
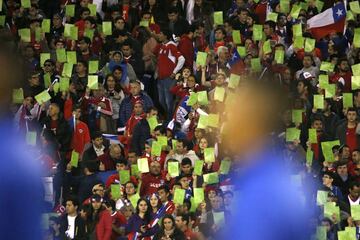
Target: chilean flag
column 332, row 19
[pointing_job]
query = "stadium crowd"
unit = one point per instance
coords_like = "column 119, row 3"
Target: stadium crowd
column 124, row 104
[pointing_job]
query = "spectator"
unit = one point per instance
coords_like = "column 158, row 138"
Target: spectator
column 96, row 149
column 100, row 219
column 169, row 230
column 72, row 225
column 56, row 123
column 83, row 184
column 170, row 61
column 182, row 151
column 127, row 104
column 154, row 179
column 138, row 223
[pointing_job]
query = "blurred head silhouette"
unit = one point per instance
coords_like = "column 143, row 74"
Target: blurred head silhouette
column 20, row 175
column 252, row 114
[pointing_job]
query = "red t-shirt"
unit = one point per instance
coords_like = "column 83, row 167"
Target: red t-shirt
column 351, row 140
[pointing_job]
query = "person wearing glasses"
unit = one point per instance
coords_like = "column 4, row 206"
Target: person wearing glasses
column 49, row 70
column 328, row 179
column 98, row 189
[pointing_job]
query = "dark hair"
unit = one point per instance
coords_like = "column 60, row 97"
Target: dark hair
column 186, row 161
column 173, row 10
column 184, row 217
column 117, row 67
column 86, row 40
column 127, row 42
column 83, row 62
column 165, row 188
column 220, row 29
column 271, row 24
column 148, row 212
column 151, row 109
column 187, row 203
column 169, row 216
column 317, row 117
column 144, row 13
column 242, row 9
column 95, row 134
column 91, row 20
column 94, row 217
column 351, row 109
column 84, row 9
column 129, row 182
column 74, row 200
column 353, row 184
column 330, row 174
column 92, row 165
column 160, row 128
column 185, row 143
column 167, row 33
column 110, row 203
column 117, row 85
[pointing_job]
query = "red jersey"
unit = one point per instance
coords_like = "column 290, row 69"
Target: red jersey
column 345, row 79
column 168, row 55
column 151, row 184
column 351, row 139
column 105, row 110
column 186, row 48
column 118, row 220
column 80, row 137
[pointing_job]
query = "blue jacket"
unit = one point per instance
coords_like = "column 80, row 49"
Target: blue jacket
column 268, row 204
column 134, row 224
column 21, row 198
column 126, row 107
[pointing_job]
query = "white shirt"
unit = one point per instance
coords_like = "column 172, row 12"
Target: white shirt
column 70, row 233
column 99, row 151
column 352, row 203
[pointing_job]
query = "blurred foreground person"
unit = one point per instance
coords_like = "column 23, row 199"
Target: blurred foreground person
column 268, row 205
column 19, row 173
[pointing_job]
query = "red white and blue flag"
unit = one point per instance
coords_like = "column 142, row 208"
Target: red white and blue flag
column 332, row 19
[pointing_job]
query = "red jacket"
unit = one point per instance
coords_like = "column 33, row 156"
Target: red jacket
column 118, row 220
column 80, row 137
column 186, row 48
column 108, row 162
column 104, row 226
column 168, row 55
column 151, row 183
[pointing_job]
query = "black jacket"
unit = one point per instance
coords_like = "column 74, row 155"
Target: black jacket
column 80, row 228
column 140, row 135
column 177, row 235
column 81, row 185
column 63, row 132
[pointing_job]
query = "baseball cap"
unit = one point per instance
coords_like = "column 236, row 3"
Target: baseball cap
column 305, row 76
